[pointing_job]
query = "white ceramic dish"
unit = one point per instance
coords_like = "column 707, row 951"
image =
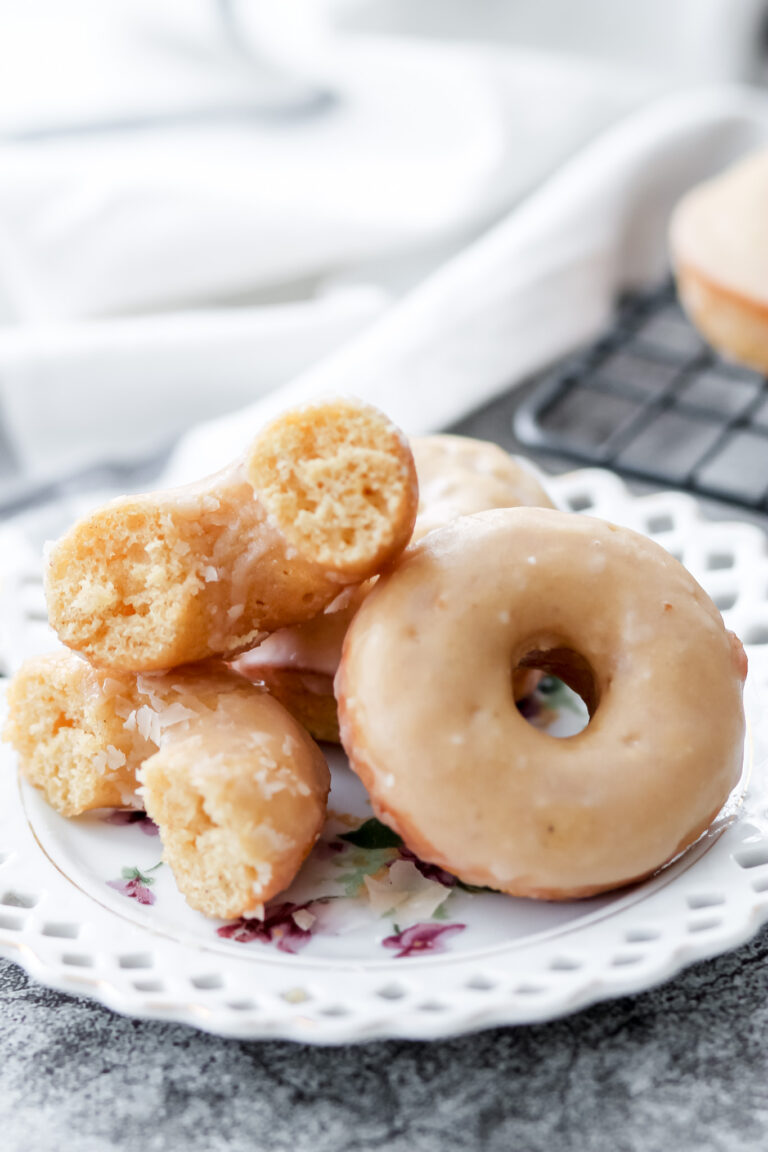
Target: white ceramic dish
column 84, row 907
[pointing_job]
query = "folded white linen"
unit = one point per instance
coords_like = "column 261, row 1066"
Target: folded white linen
column 531, row 288
column 424, row 144
column 76, row 393
column 407, row 154
column 90, row 63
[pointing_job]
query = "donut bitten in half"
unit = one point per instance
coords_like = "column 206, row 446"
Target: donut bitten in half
column 236, row 786
column 429, row 722
column 325, row 497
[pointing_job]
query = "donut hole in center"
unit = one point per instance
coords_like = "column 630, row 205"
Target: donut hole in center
column 567, row 686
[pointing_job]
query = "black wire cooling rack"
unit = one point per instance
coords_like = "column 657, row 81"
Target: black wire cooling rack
column 651, row 400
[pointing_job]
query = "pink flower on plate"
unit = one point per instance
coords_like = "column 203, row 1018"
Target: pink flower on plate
column 123, row 816
column 422, row 938
column 287, row 925
column 135, row 885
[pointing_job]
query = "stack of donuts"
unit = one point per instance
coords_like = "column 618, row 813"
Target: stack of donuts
column 338, row 583
column 153, row 595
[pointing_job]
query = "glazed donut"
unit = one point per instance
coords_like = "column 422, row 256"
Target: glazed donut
column 325, row 497
column 719, row 245
column 429, row 724
column 236, row 786
column 457, row 475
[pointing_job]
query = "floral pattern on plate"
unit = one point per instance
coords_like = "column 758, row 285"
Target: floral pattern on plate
column 360, row 879
column 364, row 872
column 361, row 869
column 135, row 884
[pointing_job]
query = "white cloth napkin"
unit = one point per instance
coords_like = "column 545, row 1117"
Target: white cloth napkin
column 77, row 393
column 540, row 282
column 423, row 145
column 407, row 154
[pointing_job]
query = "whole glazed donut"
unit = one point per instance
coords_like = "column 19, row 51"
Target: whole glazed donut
column 236, row 786
column 429, row 722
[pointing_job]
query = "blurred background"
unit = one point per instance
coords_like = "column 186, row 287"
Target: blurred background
column 201, row 198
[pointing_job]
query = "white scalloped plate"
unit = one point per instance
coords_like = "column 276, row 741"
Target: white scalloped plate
column 84, row 906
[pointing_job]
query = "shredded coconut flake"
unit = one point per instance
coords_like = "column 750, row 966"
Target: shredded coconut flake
column 210, row 574
column 99, row 761
column 123, row 708
column 115, row 758
column 340, row 601
column 148, row 724
column 303, row 919
column 147, row 687
column 111, row 687
column 131, row 797
column 175, row 713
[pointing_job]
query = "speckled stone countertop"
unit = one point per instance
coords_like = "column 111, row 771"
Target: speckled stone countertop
column 682, row 1068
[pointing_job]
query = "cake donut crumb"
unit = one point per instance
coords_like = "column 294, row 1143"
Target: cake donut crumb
column 325, row 497
column 236, row 786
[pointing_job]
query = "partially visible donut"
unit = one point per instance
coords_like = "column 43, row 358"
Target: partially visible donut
column 236, row 786
column 457, row 475
column 429, row 722
column 325, row 497
column 297, row 665
column 719, row 246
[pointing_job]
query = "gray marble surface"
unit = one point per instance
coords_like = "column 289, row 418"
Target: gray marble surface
column 683, row 1068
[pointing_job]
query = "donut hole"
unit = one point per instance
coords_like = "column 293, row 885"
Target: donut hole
column 567, row 685
column 568, row 666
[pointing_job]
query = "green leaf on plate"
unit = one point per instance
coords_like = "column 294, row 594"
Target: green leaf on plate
column 373, row 834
